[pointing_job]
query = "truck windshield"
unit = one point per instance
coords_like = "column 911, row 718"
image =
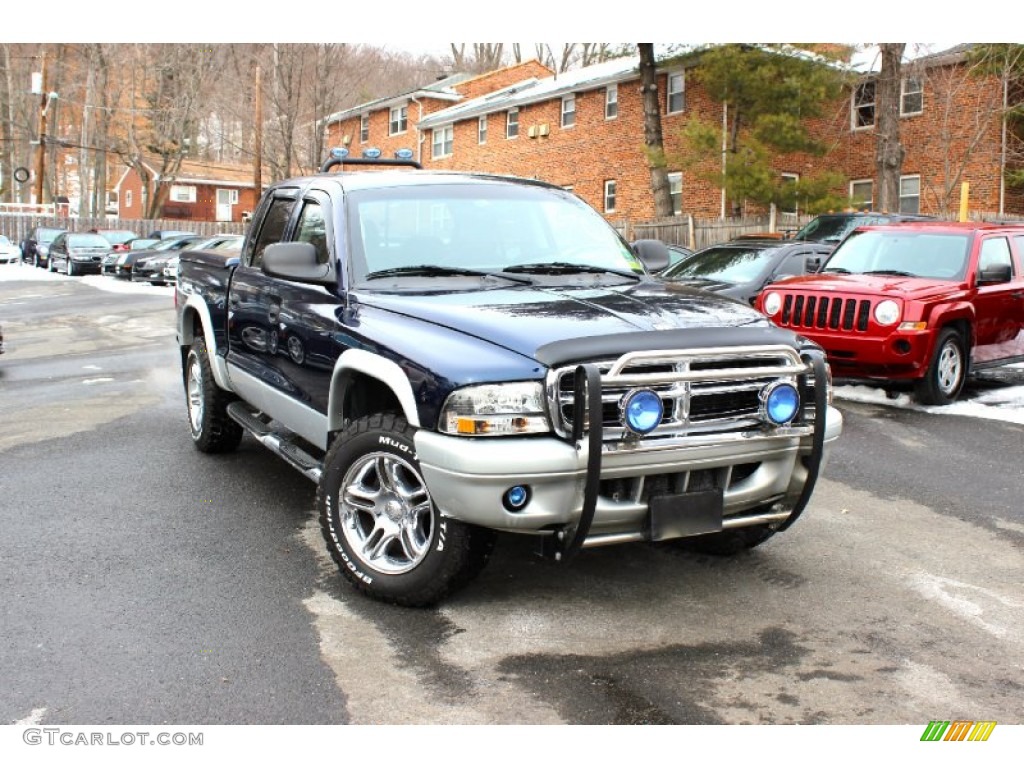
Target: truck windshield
column 941, row 256
column 483, row 227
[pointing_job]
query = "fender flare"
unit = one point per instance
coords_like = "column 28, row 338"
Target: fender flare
column 373, row 365
column 196, row 305
column 946, row 314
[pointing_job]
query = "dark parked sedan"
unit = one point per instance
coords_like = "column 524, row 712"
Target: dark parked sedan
column 35, row 248
column 741, row 268
column 127, row 259
column 157, row 269
column 76, row 253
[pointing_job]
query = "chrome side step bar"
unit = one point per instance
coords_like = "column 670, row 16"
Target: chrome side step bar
column 280, row 443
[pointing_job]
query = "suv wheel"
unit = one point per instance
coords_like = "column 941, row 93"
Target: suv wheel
column 947, row 372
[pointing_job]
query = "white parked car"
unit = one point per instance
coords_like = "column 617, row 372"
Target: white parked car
column 10, row 253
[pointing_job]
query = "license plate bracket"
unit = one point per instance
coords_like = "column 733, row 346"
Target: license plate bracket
column 673, row 516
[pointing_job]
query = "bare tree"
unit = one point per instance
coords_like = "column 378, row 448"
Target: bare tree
column 655, row 146
column 889, row 151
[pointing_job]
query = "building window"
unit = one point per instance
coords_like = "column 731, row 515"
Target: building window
column 789, row 205
column 609, row 196
column 910, row 194
column 911, row 96
column 364, row 129
column 512, row 123
column 399, row 121
column 233, row 196
column 481, row 130
column 569, row 111
column 444, row 138
column 611, row 102
column 675, row 190
column 862, row 192
column 864, row 105
column 181, row 193
column 127, row 198
column 674, row 99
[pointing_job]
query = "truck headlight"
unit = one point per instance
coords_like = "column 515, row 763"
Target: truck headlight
column 495, row 409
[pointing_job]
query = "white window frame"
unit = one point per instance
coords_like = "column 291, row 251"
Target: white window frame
column 233, row 196
column 442, row 141
column 917, row 197
column 870, row 202
column 905, row 93
column 127, row 198
column 398, row 117
column 512, row 123
column 568, row 114
column 679, row 92
column 364, row 128
column 611, row 102
column 182, row 193
column 610, row 193
column 857, row 107
column 675, row 191
column 481, row 130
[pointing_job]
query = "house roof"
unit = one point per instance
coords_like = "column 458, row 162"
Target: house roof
column 441, row 90
column 203, row 172
column 533, row 90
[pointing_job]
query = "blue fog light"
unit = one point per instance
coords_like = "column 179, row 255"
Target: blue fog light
column 516, row 497
column 780, row 402
column 339, row 153
column 642, row 411
column 371, row 153
column 403, row 154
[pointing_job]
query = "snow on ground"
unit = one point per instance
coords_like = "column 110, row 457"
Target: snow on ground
column 26, row 273
column 1001, row 403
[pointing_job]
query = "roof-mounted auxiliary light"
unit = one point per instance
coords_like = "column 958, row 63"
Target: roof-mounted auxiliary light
column 371, row 153
column 403, row 154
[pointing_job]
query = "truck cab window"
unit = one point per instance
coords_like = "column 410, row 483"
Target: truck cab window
column 272, row 228
column 313, row 229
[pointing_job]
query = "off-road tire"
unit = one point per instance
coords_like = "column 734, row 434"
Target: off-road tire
column 212, row 429
column 947, row 371
column 729, row 542
column 387, row 538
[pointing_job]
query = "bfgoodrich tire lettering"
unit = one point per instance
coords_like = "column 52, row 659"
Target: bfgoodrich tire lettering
column 212, row 429
column 947, row 372
column 380, row 525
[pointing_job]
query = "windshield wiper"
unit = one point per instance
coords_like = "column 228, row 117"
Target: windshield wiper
column 894, row 272
column 567, row 268
column 433, row 270
column 837, row 270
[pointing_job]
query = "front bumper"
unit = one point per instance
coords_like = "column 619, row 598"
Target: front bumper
column 757, row 472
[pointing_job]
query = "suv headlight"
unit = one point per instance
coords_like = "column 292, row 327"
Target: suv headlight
column 495, row 409
column 772, row 303
column 887, row 312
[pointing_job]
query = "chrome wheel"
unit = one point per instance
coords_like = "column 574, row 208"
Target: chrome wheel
column 194, row 390
column 295, row 350
column 386, row 515
column 949, row 370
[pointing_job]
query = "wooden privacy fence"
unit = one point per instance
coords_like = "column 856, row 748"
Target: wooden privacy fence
column 17, row 225
column 698, row 233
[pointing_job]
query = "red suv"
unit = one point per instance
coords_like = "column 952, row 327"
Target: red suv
column 927, row 302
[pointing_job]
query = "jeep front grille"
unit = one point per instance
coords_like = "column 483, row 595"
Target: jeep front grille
column 824, row 311
column 703, row 391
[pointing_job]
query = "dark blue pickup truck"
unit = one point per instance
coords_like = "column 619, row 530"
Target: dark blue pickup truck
column 448, row 355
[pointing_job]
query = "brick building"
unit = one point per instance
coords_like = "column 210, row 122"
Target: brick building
column 200, row 191
column 584, row 130
column 392, row 123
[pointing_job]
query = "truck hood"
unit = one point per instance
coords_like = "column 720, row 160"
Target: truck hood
column 872, row 285
column 525, row 318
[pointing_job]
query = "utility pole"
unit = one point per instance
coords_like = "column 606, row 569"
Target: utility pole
column 41, row 149
column 257, row 169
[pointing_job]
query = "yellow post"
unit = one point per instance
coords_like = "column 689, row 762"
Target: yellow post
column 964, row 189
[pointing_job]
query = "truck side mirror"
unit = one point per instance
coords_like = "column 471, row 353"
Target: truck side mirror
column 653, row 254
column 298, row 262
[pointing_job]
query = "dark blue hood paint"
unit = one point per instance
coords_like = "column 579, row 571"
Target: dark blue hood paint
column 525, row 318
